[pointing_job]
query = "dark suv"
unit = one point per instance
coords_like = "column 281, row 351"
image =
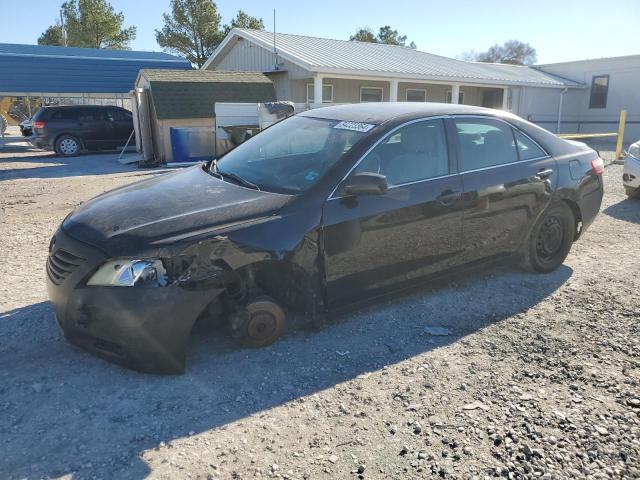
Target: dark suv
column 70, row 129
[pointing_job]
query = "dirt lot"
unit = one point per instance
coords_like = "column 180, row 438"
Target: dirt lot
column 535, row 376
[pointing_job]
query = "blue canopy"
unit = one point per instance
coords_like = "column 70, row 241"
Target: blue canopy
column 35, row 69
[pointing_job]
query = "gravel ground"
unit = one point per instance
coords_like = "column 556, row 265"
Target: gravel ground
column 528, row 376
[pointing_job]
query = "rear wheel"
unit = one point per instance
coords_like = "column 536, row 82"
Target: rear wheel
column 632, row 192
column 550, row 240
column 67, row 146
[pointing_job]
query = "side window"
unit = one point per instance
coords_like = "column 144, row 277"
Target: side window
column 527, row 148
column 417, row 151
column 599, row 91
column 90, row 114
column 65, row 114
column 116, row 115
column 485, row 143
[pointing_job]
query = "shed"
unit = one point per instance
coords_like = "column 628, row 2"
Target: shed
column 168, row 99
column 35, row 75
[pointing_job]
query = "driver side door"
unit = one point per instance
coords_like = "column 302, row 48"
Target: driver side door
column 372, row 243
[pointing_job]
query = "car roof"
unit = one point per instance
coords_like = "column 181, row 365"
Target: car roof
column 81, row 106
column 381, row 112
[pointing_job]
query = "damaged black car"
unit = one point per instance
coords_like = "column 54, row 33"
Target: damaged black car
column 324, row 209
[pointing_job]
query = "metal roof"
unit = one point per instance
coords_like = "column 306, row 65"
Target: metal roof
column 329, row 56
column 35, row 69
column 193, row 94
column 206, row 76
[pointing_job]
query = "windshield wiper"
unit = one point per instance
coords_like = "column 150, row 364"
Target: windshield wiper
column 216, row 172
column 237, row 178
column 213, row 169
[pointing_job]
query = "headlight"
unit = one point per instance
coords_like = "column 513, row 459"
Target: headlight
column 128, row 273
column 634, row 150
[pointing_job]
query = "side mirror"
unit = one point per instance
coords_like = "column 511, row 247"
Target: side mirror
column 365, row 183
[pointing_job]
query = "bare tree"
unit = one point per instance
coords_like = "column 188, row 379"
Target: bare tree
column 385, row 35
column 514, row 52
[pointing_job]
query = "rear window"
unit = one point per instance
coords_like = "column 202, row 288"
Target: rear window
column 38, row 114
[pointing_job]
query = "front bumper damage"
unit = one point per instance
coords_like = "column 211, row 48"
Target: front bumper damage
column 144, row 328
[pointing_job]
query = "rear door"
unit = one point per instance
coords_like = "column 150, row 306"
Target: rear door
column 372, row 243
column 92, row 127
column 508, row 179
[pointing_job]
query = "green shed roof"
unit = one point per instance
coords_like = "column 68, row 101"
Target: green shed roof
column 193, row 93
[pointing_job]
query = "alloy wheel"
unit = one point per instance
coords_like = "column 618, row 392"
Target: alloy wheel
column 68, row 146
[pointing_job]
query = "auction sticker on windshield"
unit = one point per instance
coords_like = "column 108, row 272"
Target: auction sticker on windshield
column 355, row 126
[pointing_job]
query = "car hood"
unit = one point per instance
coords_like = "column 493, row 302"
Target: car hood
column 131, row 219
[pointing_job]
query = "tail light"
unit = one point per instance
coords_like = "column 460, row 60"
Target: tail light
column 597, row 166
column 39, row 124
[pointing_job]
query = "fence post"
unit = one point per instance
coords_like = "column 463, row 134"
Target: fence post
column 623, row 119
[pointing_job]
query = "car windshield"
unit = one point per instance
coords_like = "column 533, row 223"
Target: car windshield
column 292, row 155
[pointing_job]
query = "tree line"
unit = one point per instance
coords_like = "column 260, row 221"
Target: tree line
column 194, row 28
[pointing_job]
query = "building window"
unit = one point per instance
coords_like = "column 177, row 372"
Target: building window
column 460, row 97
column 416, row 95
column 371, row 94
column 599, row 90
column 327, row 93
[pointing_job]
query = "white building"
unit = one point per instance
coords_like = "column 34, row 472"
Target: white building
column 585, row 96
column 611, row 85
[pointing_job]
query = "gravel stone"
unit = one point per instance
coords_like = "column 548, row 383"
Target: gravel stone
column 548, row 362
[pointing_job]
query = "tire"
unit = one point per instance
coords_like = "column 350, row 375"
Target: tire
column 632, row 192
column 550, row 239
column 260, row 323
column 67, row 146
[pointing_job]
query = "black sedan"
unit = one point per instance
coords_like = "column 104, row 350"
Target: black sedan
column 326, row 208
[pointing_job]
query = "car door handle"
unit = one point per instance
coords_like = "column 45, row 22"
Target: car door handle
column 544, row 173
column 447, row 197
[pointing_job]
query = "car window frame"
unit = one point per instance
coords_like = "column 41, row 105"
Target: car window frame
column 514, row 128
column 451, row 154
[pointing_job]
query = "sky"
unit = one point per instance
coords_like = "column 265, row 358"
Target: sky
column 559, row 30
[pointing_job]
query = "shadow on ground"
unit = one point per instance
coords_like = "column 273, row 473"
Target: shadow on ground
column 49, row 165
column 64, row 412
column 627, row 210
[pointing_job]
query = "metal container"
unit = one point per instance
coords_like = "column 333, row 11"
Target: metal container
column 192, row 144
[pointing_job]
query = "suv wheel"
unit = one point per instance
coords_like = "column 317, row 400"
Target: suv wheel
column 550, row 240
column 67, row 146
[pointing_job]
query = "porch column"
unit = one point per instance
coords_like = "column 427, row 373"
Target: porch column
column 455, row 93
column 505, row 98
column 317, row 89
column 393, row 91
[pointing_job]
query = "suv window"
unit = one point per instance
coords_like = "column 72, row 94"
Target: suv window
column 90, row 114
column 114, row 114
column 485, row 143
column 65, row 114
column 417, row 151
